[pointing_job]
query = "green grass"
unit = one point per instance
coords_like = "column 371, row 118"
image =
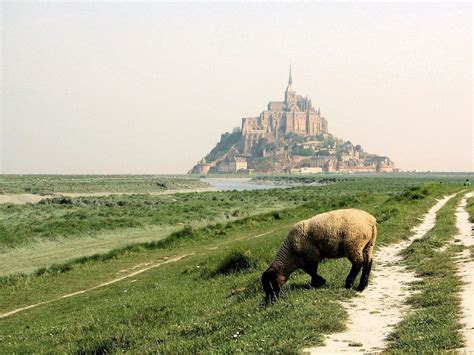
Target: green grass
column 61, row 229
column 49, row 184
column 383, row 179
column 433, row 324
column 193, row 236
column 65, row 217
column 201, row 303
column 383, row 212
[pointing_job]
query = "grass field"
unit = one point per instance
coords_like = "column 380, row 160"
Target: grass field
column 210, row 300
column 54, row 184
column 62, row 228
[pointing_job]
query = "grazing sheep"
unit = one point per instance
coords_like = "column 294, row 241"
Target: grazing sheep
column 347, row 233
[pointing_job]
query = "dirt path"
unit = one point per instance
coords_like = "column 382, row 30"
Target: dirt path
column 135, row 273
column 374, row 314
column 465, row 264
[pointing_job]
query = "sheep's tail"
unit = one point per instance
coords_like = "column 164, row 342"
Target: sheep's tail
column 367, row 254
column 369, row 247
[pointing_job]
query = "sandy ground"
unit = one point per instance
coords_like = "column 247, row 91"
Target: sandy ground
column 374, row 314
column 465, row 264
column 135, row 273
column 21, row 198
column 31, row 198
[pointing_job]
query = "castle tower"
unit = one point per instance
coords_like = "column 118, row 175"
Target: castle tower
column 290, row 95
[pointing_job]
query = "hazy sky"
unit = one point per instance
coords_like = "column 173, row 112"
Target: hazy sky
column 149, row 87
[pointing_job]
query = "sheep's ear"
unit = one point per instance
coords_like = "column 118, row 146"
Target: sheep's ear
column 271, row 274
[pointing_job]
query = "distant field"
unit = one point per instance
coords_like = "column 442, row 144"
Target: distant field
column 371, row 178
column 53, row 184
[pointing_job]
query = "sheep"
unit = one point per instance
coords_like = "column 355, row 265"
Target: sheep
column 347, row 233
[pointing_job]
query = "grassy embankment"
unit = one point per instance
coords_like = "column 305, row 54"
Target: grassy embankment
column 54, row 184
column 63, row 228
column 433, row 325
column 55, row 230
column 66, row 217
column 199, row 303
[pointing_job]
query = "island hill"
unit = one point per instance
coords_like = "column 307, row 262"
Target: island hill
column 291, row 136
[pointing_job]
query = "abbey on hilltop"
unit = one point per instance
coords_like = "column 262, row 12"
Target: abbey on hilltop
column 290, row 136
column 294, row 115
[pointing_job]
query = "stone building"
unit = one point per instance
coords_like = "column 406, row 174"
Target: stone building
column 294, row 115
column 289, row 136
column 233, row 165
column 202, row 167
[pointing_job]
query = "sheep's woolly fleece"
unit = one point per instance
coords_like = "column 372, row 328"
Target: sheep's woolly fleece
column 325, row 233
column 374, row 314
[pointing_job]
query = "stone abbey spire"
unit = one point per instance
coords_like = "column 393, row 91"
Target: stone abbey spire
column 290, row 95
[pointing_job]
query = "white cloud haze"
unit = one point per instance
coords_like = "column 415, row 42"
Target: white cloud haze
column 149, row 87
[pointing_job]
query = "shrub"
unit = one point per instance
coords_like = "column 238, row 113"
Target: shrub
column 235, row 262
column 413, row 193
column 384, row 214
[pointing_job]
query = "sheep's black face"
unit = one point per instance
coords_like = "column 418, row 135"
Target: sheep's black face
column 270, row 284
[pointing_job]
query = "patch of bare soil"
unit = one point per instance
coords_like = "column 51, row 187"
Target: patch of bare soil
column 374, row 314
column 153, row 193
column 21, row 198
column 465, row 265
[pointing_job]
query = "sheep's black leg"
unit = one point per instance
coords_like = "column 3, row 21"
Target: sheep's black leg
column 356, row 266
column 364, row 279
column 312, row 270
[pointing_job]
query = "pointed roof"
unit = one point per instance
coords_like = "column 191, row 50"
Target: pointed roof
column 290, row 82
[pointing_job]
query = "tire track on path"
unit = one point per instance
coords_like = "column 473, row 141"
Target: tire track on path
column 374, row 314
column 107, row 283
column 175, row 259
